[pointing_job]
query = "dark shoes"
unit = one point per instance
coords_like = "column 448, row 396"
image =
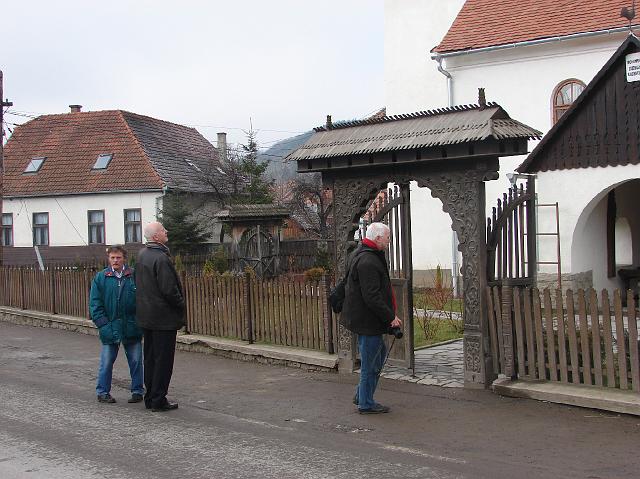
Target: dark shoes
column 135, row 398
column 106, row 398
column 168, row 406
column 376, row 409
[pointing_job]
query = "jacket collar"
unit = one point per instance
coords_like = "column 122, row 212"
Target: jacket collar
column 162, row 247
column 126, row 271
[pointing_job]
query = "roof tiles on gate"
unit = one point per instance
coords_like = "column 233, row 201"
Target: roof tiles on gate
column 148, row 154
column 485, row 23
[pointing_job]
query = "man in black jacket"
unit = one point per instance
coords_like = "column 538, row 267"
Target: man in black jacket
column 369, row 311
column 160, row 313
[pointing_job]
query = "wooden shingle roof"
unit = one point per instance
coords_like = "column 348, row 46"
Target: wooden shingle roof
column 486, row 23
column 148, row 154
column 446, row 126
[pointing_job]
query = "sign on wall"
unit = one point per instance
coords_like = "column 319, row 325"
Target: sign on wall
column 633, row 67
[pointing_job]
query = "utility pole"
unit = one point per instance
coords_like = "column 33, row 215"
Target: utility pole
column 3, row 103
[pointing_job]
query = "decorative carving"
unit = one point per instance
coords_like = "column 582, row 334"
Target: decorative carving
column 460, row 193
column 472, row 358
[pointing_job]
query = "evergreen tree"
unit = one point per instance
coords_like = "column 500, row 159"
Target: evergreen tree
column 258, row 190
column 185, row 233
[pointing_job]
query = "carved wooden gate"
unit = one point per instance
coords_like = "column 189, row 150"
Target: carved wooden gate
column 259, row 252
column 392, row 207
column 511, row 261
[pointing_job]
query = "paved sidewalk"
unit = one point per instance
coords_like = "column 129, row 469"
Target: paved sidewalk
column 436, row 366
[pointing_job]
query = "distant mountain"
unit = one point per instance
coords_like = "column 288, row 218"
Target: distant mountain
column 279, row 170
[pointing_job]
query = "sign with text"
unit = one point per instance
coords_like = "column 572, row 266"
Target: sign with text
column 633, row 67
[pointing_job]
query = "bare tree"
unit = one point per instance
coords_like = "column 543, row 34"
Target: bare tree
column 310, row 203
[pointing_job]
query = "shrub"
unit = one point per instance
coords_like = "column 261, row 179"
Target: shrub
column 314, row 274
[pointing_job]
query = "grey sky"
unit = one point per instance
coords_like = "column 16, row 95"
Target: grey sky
column 284, row 63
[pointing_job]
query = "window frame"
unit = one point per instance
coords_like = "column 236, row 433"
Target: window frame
column 6, row 228
column 37, row 227
column 34, row 169
column 558, row 110
column 132, row 223
column 96, row 224
column 100, row 156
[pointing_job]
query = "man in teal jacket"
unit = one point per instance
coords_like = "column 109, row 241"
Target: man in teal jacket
column 112, row 304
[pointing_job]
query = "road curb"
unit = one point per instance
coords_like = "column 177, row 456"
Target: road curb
column 229, row 348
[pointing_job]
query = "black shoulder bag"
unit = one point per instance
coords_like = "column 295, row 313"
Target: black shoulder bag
column 336, row 295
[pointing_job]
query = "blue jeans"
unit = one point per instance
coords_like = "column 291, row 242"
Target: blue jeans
column 372, row 354
column 108, row 356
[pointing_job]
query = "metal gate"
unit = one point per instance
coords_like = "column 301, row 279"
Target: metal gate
column 392, row 207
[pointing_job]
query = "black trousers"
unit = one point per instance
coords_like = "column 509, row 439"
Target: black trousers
column 159, row 352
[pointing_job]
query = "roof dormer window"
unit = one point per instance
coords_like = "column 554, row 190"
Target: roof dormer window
column 35, row 164
column 102, row 161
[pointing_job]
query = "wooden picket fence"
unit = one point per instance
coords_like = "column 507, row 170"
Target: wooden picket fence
column 278, row 311
column 578, row 338
column 51, row 291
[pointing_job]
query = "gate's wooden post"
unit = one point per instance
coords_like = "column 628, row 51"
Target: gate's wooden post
column 507, row 329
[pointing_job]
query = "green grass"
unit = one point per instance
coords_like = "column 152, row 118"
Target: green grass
column 444, row 332
column 455, row 304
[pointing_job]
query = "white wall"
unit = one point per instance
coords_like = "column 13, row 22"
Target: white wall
column 581, row 194
column 68, row 216
column 411, row 29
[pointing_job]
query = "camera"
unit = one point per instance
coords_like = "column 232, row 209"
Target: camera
column 395, row 331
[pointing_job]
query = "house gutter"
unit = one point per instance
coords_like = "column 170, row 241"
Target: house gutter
column 454, row 236
column 439, row 56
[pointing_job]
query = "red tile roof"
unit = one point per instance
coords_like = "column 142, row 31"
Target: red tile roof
column 148, row 154
column 485, row 23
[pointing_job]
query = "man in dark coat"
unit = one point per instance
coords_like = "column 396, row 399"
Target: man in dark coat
column 160, row 310
column 369, row 311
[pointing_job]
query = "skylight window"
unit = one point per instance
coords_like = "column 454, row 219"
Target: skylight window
column 35, row 164
column 102, row 161
column 193, row 165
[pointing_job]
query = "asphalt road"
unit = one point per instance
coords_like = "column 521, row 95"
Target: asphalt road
column 247, row 420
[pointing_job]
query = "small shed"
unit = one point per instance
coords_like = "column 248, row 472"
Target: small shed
column 255, row 236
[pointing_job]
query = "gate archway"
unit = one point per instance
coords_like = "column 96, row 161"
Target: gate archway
column 452, row 152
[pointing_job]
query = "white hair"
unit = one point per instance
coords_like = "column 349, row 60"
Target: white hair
column 376, row 229
column 151, row 229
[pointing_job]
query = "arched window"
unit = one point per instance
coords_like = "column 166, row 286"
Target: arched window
column 564, row 95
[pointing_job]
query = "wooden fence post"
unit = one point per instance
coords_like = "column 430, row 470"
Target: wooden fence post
column 326, row 314
column 52, row 290
column 183, row 282
column 507, row 329
column 23, row 300
column 247, row 305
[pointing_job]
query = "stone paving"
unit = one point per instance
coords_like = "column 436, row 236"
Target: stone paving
column 437, row 366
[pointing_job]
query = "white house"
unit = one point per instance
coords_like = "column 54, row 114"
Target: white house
column 76, row 182
column 533, row 58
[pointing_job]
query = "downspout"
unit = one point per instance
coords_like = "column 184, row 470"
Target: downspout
column 454, row 236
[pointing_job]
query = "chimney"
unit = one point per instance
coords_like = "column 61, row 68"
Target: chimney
column 482, row 99
column 222, row 146
column 75, row 108
column 329, row 122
